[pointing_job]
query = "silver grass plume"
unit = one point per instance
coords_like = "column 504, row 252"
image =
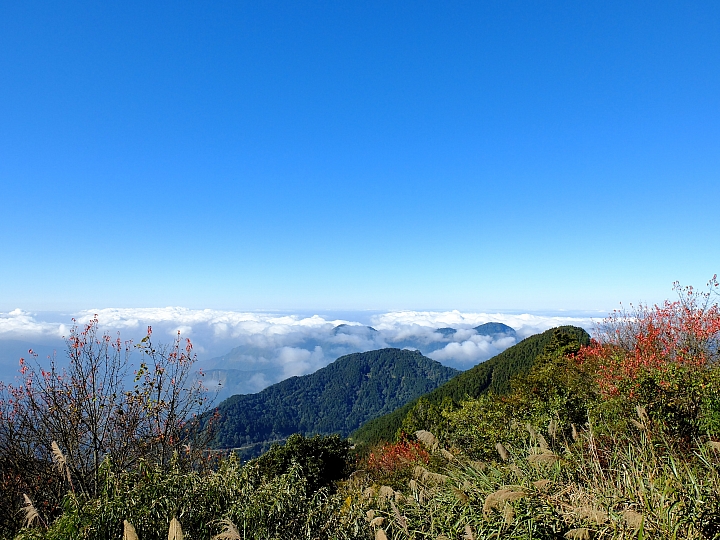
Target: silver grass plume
column 229, row 531
column 552, row 428
column 633, row 519
column 502, row 451
column 402, row 520
column 61, row 463
column 642, row 414
column 497, row 499
column 31, row 513
column 578, row 534
column 427, row 438
column 447, row 455
column 175, row 532
column 543, row 443
column 387, row 492
column 592, row 514
column 129, row 532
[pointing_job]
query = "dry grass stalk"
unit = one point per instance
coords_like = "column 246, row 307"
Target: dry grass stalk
column 413, row 485
column 370, row 515
column 229, row 531
column 419, row 472
column 633, row 519
column 642, row 414
column 502, row 451
column 380, row 535
column 31, row 513
column 531, row 430
column 469, row 534
column 129, row 532
column 574, row 432
column 477, row 465
column 497, row 499
column 175, row 532
column 578, row 534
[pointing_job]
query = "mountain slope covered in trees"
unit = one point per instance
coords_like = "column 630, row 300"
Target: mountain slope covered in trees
column 493, row 375
column 335, row 399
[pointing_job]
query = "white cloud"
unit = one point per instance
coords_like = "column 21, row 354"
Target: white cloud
column 19, row 324
column 295, row 361
column 469, row 352
column 405, row 323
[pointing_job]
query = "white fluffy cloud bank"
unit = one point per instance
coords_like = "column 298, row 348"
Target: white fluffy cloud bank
column 263, row 348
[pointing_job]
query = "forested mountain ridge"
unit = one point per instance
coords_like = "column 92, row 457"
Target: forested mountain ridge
column 492, row 375
column 335, row 399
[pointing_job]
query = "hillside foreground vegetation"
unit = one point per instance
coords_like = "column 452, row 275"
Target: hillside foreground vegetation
column 617, row 438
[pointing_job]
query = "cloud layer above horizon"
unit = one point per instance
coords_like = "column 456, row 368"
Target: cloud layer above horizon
column 263, row 348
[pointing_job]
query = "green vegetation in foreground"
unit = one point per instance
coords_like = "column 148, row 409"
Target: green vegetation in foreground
column 494, row 375
column 617, row 439
column 335, row 399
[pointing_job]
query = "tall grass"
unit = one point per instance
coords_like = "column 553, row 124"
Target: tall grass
column 620, row 488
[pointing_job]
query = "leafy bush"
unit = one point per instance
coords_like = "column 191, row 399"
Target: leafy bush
column 323, row 460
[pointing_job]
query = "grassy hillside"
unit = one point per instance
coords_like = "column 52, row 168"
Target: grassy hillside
column 493, row 375
column 335, row 399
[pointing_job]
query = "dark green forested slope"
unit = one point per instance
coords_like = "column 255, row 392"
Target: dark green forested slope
column 493, row 375
column 335, row 399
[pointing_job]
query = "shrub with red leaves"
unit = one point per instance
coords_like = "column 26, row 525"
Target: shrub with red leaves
column 684, row 333
column 393, row 463
column 663, row 358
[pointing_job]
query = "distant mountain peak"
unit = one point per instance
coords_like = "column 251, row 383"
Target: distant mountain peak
column 445, row 331
column 335, row 399
column 494, row 328
column 353, row 329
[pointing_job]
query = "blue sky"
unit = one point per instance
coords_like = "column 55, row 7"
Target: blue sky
column 370, row 155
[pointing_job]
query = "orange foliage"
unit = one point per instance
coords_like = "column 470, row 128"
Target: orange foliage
column 685, row 333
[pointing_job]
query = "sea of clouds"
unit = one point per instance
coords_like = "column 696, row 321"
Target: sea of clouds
column 247, row 351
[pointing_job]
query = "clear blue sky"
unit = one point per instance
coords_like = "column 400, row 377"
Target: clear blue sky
column 357, row 155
